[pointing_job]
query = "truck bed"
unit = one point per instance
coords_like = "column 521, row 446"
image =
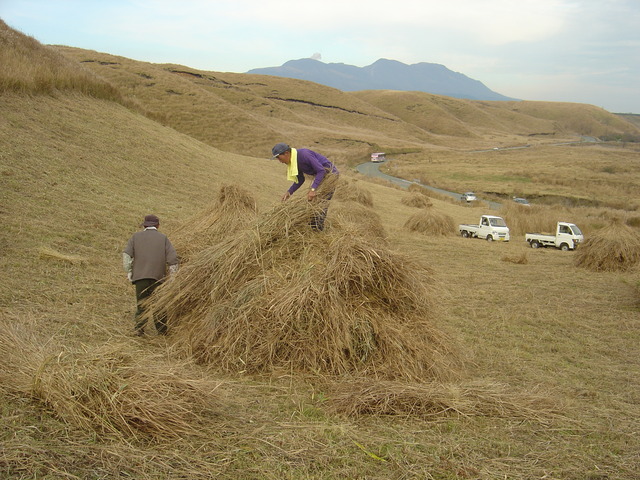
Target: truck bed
column 540, row 236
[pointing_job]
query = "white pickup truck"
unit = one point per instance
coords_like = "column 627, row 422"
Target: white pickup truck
column 568, row 236
column 490, row 227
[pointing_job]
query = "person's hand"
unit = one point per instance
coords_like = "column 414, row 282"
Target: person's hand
column 286, row 196
column 173, row 269
column 311, row 195
column 130, row 276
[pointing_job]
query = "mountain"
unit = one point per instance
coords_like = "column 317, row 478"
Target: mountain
column 385, row 75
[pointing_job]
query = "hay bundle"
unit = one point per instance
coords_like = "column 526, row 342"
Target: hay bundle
column 351, row 190
column 615, row 247
column 357, row 398
column 234, row 208
column 417, row 188
column 431, row 222
column 281, row 296
column 112, row 390
column 355, row 216
column 417, row 200
column 517, row 259
column 52, row 254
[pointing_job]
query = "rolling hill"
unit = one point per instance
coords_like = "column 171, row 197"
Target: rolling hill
column 246, row 113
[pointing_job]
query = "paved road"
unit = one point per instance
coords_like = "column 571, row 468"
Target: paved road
column 373, row 170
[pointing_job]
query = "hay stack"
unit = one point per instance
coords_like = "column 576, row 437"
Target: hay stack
column 279, row 296
column 351, row 215
column 234, row 208
column 113, row 390
column 615, row 247
column 417, row 200
column 416, row 188
column 431, row 222
column 351, row 190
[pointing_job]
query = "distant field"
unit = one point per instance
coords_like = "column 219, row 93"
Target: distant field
column 583, row 174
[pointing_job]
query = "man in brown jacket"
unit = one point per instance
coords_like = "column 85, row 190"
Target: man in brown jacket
column 145, row 259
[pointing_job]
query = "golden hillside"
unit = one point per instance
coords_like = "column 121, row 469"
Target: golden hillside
column 248, row 113
column 437, row 140
column 549, row 351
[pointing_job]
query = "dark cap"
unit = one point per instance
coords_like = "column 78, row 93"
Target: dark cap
column 151, row 221
column 279, row 149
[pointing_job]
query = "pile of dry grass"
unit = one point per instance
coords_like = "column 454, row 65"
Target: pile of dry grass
column 417, row 200
column 517, row 259
column 357, row 398
column 351, row 215
column 615, row 247
column 52, row 254
column 352, row 190
column 280, row 296
column 234, row 208
column 113, row 390
column 431, row 222
column 416, row 188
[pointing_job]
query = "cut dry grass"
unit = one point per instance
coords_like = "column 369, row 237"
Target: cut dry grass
column 360, row 397
column 113, row 390
column 431, row 222
column 52, row 254
column 234, row 208
column 353, row 190
column 280, row 296
column 615, row 247
column 521, row 259
column 415, row 199
column 352, row 215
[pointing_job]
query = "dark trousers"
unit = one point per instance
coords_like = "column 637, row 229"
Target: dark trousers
column 144, row 289
column 317, row 222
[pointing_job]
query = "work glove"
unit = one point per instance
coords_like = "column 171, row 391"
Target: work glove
column 173, row 269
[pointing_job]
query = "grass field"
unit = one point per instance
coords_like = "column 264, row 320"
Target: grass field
column 547, row 369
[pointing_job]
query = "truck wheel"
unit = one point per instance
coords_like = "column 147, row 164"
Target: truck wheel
column 535, row 244
column 465, row 234
column 489, row 238
column 564, row 247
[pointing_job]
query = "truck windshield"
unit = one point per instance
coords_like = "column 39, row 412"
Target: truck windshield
column 497, row 222
column 576, row 230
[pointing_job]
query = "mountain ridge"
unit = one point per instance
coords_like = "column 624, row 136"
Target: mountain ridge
column 385, row 74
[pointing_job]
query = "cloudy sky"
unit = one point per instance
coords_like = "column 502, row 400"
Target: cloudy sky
column 585, row 51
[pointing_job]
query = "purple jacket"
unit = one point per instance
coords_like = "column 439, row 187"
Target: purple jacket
column 311, row 163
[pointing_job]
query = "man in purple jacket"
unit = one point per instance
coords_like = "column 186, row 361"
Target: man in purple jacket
column 304, row 161
column 145, row 259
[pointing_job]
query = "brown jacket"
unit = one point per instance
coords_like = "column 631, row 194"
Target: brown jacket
column 151, row 252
